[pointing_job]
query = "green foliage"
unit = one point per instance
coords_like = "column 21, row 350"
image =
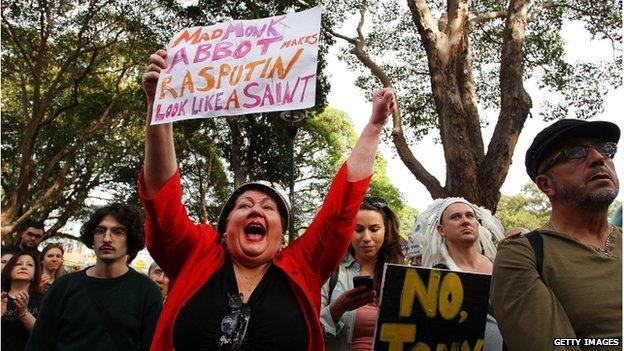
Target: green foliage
column 323, row 144
column 393, row 43
column 71, row 106
column 90, row 70
column 204, row 175
column 63, row 61
column 407, row 218
column 573, row 89
column 381, row 186
column 529, row 209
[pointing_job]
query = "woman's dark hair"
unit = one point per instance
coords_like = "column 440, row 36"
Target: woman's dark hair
column 391, row 250
column 129, row 216
column 59, row 272
column 5, row 281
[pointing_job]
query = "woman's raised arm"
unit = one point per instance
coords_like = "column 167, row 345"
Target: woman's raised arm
column 360, row 162
column 160, row 157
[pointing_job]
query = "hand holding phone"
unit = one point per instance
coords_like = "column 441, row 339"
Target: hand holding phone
column 353, row 298
column 365, row 280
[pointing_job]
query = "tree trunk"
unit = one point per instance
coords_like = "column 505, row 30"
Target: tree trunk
column 236, row 162
column 448, row 53
column 515, row 104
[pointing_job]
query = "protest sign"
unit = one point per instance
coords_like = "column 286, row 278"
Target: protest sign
column 431, row 310
column 412, row 249
column 240, row 67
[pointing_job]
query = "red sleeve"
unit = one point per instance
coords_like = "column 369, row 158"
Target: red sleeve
column 169, row 232
column 328, row 237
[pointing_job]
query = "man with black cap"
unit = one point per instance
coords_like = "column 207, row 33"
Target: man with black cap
column 564, row 280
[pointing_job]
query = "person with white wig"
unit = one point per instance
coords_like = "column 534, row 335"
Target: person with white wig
column 436, row 236
column 457, row 235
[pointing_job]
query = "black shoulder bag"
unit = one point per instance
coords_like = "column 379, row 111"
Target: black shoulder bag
column 537, row 243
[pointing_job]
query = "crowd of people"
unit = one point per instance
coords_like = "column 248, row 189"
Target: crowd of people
column 233, row 286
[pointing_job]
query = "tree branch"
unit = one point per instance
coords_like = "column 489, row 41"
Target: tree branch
column 74, row 99
column 11, row 31
column 50, row 191
column 408, row 158
column 515, row 101
column 86, row 135
column 486, row 17
column 333, row 33
column 421, row 16
column 398, row 138
column 538, row 9
column 53, row 90
column 457, row 18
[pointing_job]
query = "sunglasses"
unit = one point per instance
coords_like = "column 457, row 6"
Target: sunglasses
column 234, row 323
column 577, row 152
column 376, row 202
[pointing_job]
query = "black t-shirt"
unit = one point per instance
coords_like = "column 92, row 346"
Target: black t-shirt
column 69, row 321
column 14, row 334
column 276, row 321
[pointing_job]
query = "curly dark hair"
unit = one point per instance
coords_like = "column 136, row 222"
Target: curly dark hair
column 30, row 223
column 129, row 216
column 5, row 280
column 391, row 250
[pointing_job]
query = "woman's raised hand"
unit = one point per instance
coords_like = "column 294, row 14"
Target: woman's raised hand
column 157, row 62
column 383, row 106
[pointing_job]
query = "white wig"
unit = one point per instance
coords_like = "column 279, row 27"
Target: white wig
column 434, row 250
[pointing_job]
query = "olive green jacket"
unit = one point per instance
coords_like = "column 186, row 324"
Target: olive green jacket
column 579, row 295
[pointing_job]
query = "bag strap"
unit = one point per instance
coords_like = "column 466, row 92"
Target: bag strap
column 333, row 280
column 537, row 243
column 111, row 328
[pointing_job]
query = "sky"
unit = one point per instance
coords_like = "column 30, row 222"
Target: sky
column 345, row 96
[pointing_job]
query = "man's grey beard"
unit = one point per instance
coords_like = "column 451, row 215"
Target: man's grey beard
column 583, row 199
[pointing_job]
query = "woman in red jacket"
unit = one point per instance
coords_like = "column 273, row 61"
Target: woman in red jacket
column 233, row 288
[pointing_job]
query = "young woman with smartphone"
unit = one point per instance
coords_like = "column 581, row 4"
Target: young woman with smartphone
column 348, row 303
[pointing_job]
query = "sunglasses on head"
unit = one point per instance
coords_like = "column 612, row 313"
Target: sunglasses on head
column 376, row 202
column 580, row 151
column 234, row 323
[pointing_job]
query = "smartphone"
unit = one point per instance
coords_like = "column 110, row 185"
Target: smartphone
column 365, row 280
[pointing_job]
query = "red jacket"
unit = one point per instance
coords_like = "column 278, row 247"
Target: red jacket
column 190, row 253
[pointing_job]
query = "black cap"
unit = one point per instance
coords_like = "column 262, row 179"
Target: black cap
column 559, row 132
column 275, row 191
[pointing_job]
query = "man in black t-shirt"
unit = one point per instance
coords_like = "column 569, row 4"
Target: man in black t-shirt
column 108, row 306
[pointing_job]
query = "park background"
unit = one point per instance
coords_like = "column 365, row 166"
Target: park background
column 72, row 106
